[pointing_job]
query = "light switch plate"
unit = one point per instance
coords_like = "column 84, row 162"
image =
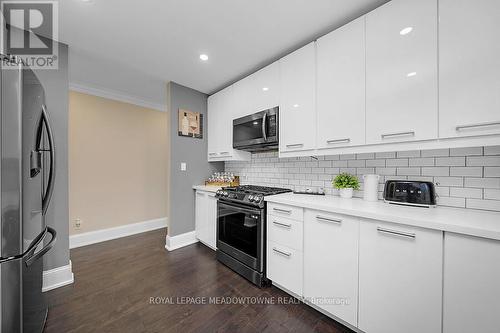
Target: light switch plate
column 183, row 166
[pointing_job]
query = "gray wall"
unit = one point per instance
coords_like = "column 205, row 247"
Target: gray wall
column 56, row 85
column 189, row 150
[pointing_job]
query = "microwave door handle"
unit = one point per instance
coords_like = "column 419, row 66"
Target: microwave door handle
column 264, row 119
column 52, row 155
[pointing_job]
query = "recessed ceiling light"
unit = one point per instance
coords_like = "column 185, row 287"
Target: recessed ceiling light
column 405, row 31
column 295, row 105
column 265, row 89
column 411, row 74
column 87, row 1
column 203, row 57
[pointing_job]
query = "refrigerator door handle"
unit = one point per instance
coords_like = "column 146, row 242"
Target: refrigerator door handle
column 52, row 151
column 46, row 248
column 32, row 248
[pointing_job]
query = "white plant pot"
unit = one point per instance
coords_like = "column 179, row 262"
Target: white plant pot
column 346, row 193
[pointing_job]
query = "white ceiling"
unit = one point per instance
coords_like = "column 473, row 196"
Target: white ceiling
column 134, row 47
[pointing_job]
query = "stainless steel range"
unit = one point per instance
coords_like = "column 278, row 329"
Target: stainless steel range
column 241, row 230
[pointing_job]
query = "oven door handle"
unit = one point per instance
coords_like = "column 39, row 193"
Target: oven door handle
column 240, row 209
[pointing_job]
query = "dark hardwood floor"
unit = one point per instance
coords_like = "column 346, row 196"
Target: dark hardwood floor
column 115, row 280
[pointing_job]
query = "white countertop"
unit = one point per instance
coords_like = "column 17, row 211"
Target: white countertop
column 207, row 188
column 464, row 221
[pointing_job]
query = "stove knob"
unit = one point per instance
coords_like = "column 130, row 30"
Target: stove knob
column 226, row 194
column 250, row 197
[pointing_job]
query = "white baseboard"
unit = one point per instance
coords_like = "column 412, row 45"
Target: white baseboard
column 103, row 235
column 57, row 277
column 176, row 242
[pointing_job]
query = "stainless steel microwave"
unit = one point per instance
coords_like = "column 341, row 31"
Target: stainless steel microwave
column 256, row 132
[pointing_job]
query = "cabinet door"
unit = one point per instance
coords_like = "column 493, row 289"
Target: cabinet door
column 331, row 263
column 401, row 72
column 469, row 67
column 341, row 86
column 211, row 220
column 284, row 267
column 297, row 112
column 471, row 300
column 225, row 124
column 214, row 107
column 201, row 215
column 265, row 85
column 400, row 279
column 243, row 97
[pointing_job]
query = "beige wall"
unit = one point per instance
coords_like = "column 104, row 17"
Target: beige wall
column 118, row 156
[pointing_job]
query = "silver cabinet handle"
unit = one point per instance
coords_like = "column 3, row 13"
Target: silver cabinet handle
column 396, row 232
column 471, row 126
column 224, row 152
column 394, row 135
column 286, row 254
column 212, row 154
column 328, row 219
column 288, row 226
column 330, row 142
column 284, row 211
column 295, row 145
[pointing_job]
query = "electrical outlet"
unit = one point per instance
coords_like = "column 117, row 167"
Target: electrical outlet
column 78, row 223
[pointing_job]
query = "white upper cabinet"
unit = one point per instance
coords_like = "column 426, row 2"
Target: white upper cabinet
column 265, row 85
column 220, row 127
column 469, row 67
column 341, row 86
column 401, row 72
column 243, row 97
column 297, row 108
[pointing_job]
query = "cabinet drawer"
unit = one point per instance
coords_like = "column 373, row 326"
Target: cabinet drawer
column 284, row 267
column 285, row 231
column 291, row 212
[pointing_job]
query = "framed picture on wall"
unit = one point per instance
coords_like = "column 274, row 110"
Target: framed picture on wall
column 190, row 124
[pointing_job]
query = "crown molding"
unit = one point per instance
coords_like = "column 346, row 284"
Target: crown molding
column 114, row 95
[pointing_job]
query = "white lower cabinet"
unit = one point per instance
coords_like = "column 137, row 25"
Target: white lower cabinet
column 284, row 247
column 206, row 218
column 331, row 263
column 471, row 294
column 400, row 279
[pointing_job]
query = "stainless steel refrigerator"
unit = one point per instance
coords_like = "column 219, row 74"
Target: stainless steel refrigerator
column 27, row 174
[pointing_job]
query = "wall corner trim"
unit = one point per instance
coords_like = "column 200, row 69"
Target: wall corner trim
column 103, row 235
column 114, row 95
column 176, row 242
column 57, row 277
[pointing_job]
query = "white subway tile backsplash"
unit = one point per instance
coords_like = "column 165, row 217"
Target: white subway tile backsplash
column 450, row 161
column 483, row 160
column 491, row 194
column 483, row 204
column 435, row 153
column 375, row 163
column 423, row 161
column 435, row 171
column 466, row 171
column 399, row 162
column 464, row 192
column 385, row 155
column 482, row 182
column 492, row 171
column 451, row 202
column 409, row 153
column 408, row 171
column 464, row 177
column 466, row 151
column 365, row 156
column 493, row 150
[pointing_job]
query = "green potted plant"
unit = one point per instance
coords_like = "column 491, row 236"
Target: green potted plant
column 346, row 184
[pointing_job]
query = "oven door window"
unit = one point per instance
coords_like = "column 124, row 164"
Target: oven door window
column 239, row 228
